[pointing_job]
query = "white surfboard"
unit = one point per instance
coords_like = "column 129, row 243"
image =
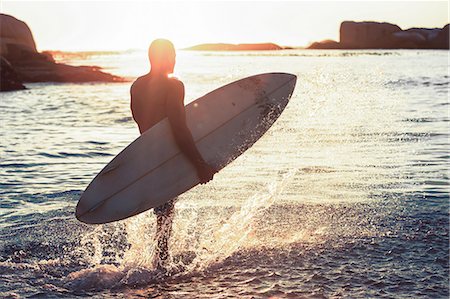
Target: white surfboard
column 152, row 170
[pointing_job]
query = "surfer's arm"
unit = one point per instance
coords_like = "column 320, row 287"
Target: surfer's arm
column 132, row 104
column 177, row 118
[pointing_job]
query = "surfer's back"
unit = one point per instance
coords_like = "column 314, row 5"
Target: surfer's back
column 148, row 99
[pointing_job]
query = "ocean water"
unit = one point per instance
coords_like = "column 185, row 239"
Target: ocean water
column 347, row 195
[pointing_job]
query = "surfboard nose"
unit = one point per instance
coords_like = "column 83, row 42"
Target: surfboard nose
column 292, row 79
column 81, row 209
column 289, row 78
column 284, row 80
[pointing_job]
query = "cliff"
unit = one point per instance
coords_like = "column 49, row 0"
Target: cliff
column 374, row 35
column 21, row 62
column 367, row 35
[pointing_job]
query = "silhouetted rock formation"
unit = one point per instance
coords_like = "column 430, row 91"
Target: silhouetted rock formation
column 15, row 35
column 23, row 63
column 426, row 38
column 367, row 35
column 9, row 78
column 443, row 38
column 325, row 44
column 238, row 47
column 373, row 35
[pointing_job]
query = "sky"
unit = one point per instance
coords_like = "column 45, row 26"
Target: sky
column 122, row 25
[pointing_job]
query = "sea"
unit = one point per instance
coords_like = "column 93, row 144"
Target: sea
column 346, row 196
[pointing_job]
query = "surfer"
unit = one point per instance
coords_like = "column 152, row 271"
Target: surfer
column 155, row 96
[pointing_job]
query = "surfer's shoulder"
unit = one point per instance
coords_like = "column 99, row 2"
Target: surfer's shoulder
column 136, row 83
column 176, row 83
column 175, row 90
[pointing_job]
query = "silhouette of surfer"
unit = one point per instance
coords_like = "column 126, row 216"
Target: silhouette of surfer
column 154, row 96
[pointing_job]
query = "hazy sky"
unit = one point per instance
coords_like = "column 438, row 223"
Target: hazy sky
column 119, row 25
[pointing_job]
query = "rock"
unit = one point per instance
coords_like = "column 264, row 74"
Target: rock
column 423, row 38
column 417, row 38
column 428, row 34
column 373, row 35
column 238, row 47
column 367, row 35
column 46, row 71
column 411, row 36
column 325, row 44
column 442, row 39
column 9, row 79
column 19, row 51
column 15, row 34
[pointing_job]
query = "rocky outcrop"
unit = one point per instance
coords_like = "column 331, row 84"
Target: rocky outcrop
column 21, row 62
column 374, row 35
column 325, row 44
column 9, row 78
column 367, row 35
column 443, row 38
column 426, row 38
column 15, row 36
column 238, row 47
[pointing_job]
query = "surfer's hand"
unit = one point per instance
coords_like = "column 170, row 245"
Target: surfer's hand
column 205, row 172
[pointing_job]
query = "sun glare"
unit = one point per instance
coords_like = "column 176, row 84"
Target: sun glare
column 85, row 25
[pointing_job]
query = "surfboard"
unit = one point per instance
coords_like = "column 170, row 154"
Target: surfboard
column 151, row 170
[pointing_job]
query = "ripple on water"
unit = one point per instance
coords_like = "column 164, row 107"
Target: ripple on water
column 365, row 215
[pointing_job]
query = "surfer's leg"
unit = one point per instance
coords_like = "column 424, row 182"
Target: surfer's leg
column 164, row 218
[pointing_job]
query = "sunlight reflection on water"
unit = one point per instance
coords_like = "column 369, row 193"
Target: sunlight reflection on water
column 357, row 163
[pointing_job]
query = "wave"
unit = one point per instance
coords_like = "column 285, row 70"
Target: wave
column 124, row 119
column 81, row 155
column 306, row 53
column 437, row 82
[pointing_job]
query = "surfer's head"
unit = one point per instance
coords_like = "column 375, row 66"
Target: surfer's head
column 161, row 54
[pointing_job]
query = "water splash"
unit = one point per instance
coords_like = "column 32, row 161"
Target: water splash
column 236, row 232
column 214, row 242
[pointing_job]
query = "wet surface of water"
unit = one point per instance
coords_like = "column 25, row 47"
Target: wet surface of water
column 346, row 195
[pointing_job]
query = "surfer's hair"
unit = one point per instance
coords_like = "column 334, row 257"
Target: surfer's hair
column 161, row 52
